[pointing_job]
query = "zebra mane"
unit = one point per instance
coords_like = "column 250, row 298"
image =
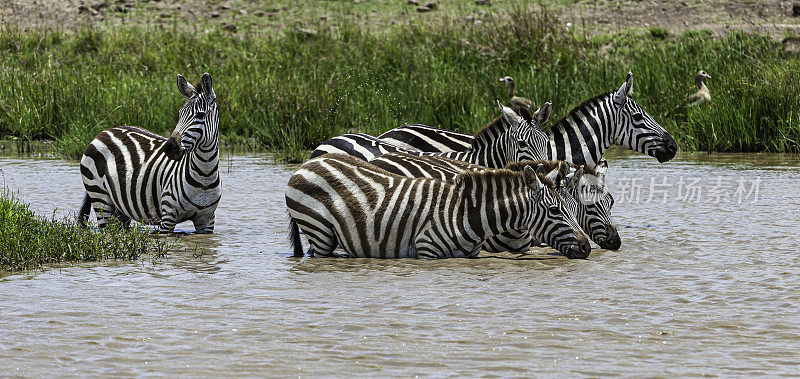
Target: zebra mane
column 467, row 179
column 590, row 102
column 495, row 126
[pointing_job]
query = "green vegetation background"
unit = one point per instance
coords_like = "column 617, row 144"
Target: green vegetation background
column 293, row 90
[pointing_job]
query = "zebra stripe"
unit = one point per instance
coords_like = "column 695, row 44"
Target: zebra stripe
column 581, row 137
column 359, row 145
column 340, row 200
column 508, row 138
column 585, row 215
column 427, row 138
column 132, row 174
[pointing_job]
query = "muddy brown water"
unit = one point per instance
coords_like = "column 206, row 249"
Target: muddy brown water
column 700, row 287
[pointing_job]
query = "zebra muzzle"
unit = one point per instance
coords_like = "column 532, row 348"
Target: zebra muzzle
column 173, row 148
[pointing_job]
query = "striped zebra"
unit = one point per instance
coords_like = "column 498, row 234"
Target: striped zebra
column 581, row 137
column 586, row 196
column 589, row 207
column 340, row 200
column 508, row 138
column 132, row 174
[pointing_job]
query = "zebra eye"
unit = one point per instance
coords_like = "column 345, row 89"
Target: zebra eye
column 200, row 115
column 522, row 144
column 554, row 211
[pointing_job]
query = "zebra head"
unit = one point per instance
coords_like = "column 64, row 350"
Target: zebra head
column 590, row 189
column 551, row 221
column 638, row 130
column 525, row 138
column 198, row 120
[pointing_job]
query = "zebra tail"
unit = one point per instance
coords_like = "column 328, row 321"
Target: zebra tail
column 294, row 237
column 83, row 212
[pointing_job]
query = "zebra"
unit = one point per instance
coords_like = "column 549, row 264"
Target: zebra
column 589, row 207
column 506, row 139
column 132, row 174
column 581, row 137
column 586, row 196
column 340, row 200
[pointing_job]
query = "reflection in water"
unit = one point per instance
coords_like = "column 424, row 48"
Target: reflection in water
column 698, row 288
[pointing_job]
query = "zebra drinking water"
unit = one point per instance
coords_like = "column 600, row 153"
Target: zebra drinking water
column 581, row 137
column 339, row 200
column 508, row 138
column 588, row 207
column 133, row 174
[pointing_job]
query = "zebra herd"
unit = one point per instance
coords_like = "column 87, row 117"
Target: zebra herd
column 420, row 191
column 414, row 191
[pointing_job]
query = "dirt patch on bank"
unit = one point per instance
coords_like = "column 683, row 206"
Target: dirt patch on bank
column 772, row 17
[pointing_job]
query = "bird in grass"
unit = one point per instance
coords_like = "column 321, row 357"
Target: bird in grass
column 516, row 102
column 702, row 95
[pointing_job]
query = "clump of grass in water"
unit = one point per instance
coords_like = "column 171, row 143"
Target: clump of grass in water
column 290, row 91
column 29, row 241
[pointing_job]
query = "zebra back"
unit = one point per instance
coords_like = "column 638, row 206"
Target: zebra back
column 359, row 145
column 427, row 138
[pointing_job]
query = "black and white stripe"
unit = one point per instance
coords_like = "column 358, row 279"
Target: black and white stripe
column 508, row 138
column 586, row 213
column 132, row 174
column 581, row 137
column 340, row 200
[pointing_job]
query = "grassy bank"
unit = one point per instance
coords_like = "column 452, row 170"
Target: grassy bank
column 293, row 90
column 28, row 241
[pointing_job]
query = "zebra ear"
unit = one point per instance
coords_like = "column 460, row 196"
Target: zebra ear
column 543, row 113
column 531, row 179
column 512, row 117
column 602, row 167
column 625, row 91
column 576, row 177
column 208, row 89
column 553, row 175
column 600, row 171
column 563, row 169
column 185, row 88
column 541, row 169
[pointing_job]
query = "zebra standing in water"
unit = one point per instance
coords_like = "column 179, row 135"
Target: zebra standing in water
column 133, row 174
column 340, row 200
column 580, row 138
column 508, row 138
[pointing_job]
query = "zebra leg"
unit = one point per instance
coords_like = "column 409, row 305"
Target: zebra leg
column 125, row 220
column 103, row 208
column 322, row 242
column 204, row 224
column 168, row 221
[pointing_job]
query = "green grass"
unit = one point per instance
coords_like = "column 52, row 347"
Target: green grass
column 290, row 91
column 28, row 241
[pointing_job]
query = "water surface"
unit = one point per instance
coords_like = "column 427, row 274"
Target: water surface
column 698, row 288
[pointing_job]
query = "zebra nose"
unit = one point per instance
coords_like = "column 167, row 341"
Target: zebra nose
column 612, row 242
column 173, row 148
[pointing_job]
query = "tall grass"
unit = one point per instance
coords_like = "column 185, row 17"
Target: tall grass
column 28, row 241
column 294, row 90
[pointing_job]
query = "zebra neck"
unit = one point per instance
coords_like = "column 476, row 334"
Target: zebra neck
column 584, row 135
column 488, row 149
column 490, row 204
column 203, row 166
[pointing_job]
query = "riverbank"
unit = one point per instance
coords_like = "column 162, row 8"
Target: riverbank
column 291, row 90
column 29, row 241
